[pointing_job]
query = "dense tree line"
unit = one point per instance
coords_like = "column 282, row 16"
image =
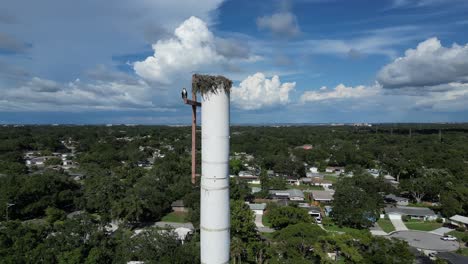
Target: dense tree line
column 40, row 203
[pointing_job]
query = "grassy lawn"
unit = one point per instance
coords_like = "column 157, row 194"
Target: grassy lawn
column 422, row 225
column 332, row 227
column 458, row 234
column 177, row 217
column 331, row 178
column 386, row 225
column 255, row 185
column 266, row 220
column 462, row 251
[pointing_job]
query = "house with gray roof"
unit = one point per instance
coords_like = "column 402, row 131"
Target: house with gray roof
column 291, row 194
column 322, row 196
column 391, row 198
column 258, row 209
column 421, row 213
column 459, row 220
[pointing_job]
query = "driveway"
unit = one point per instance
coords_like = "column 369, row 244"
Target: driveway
column 398, row 224
column 426, row 240
column 441, row 231
column 260, row 227
column 258, row 220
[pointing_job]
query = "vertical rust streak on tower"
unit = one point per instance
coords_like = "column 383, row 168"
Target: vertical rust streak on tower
column 194, row 138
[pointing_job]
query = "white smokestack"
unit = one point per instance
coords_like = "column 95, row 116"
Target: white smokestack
column 214, row 199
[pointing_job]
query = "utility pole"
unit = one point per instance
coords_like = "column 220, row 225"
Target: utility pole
column 194, row 105
column 440, row 135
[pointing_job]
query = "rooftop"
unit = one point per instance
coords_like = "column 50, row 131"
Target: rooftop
column 460, row 218
column 260, row 206
column 406, row 210
column 322, row 195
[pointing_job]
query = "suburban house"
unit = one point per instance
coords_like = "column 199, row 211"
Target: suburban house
column 391, row 198
column 255, row 190
column 249, row 176
column 258, row 209
column 324, row 183
column 337, row 170
column 313, row 169
column 390, row 179
column 293, row 181
column 374, row 172
column 291, row 194
column 421, row 213
column 313, row 211
column 458, row 220
column 178, row 206
column 314, row 175
column 322, row 196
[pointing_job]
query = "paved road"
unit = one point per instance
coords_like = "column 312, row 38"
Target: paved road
column 426, row 240
column 399, row 225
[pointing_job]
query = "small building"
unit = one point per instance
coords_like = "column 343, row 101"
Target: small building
column 315, row 175
column 178, row 206
column 391, row 198
column 322, row 196
column 291, row 194
column 421, row 213
column 374, row 172
column 313, row 169
column 255, row 190
column 258, row 209
column 324, row 183
column 246, row 174
column 336, row 170
column 293, row 181
column 458, row 220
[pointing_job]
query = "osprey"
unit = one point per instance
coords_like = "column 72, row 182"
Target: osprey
column 184, row 94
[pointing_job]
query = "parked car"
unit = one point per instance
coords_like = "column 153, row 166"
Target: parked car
column 448, row 238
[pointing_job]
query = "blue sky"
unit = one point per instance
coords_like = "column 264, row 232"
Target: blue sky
column 302, row 61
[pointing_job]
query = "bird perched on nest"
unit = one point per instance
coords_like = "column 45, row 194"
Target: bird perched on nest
column 184, row 94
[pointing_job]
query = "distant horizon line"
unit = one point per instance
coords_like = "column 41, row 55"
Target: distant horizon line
column 238, row 124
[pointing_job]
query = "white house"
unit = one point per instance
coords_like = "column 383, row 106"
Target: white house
column 421, row 213
column 258, row 209
column 291, row 194
column 313, row 169
column 459, row 220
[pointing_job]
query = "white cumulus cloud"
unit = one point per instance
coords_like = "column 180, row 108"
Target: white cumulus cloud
column 430, row 64
column 340, row 92
column 40, row 94
column 282, row 24
column 257, row 91
column 192, row 47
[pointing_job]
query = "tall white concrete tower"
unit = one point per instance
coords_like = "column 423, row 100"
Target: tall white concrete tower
column 214, row 198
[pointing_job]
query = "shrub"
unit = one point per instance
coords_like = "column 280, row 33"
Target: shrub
column 405, row 218
column 440, row 220
column 461, row 229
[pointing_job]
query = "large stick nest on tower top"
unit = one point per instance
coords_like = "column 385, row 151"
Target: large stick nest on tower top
column 205, row 84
